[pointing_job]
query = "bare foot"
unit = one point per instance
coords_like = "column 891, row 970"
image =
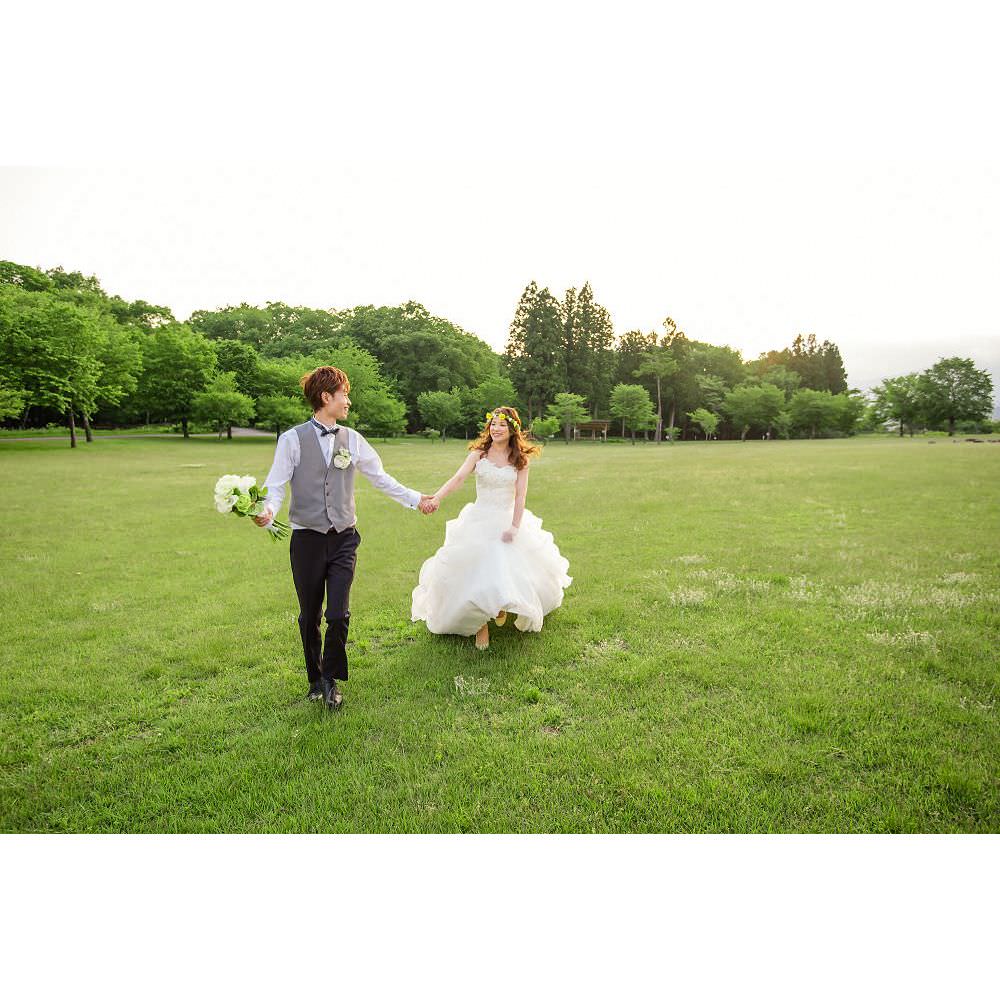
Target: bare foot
column 501, row 618
column 483, row 637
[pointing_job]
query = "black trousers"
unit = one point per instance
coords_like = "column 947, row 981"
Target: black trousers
column 324, row 564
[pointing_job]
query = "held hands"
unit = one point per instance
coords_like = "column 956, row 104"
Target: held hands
column 428, row 504
column 509, row 535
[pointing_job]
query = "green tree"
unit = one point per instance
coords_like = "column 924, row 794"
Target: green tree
column 273, row 330
column 280, row 377
column 594, row 338
column 871, row 420
column 568, row 408
column 813, row 409
column 301, row 330
column 819, row 366
column 79, row 289
column 222, row 404
column 706, row 420
column 497, row 390
column 711, row 392
column 633, row 405
column 244, row 323
column 630, row 352
column 177, row 364
column 418, row 352
column 281, row 412
column 955, row 389
column 770, row 403
column 588, row 346
column 681, row 388
column 849, row 408
column 544, row 428
column 898, row 399
column 783, row 423
column 753, row 406
column 50, row 351
column 574, row 365
column 658, row 365
column 832, row 371
column 534, row 348
column 117, row 324
column 440, row 410
column 119, row 352
column 12, row 401
column 139, row 314
column 243, row 361
column 740, row 407
column 803, row 358
column 383, row 415
column 723, row 363
column 784, row 378
column 74, row 281
column 28, row 279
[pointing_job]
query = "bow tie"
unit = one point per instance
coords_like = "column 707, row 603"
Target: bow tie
column 323, row 431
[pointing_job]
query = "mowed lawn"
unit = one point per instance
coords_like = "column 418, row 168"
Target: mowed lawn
column 768, row 636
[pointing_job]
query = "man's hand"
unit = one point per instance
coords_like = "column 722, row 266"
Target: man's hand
column 264, row 519
column 509, row 535
column 428, row 504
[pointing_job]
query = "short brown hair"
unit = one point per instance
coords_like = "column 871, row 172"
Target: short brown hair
column 325, row 379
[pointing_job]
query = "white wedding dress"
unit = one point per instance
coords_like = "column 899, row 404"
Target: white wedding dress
column 475, row 575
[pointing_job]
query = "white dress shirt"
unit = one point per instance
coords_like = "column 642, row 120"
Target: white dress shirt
column 363, row 456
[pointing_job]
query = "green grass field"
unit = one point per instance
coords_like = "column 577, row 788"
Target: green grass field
column 782, row 636
column 62, row 431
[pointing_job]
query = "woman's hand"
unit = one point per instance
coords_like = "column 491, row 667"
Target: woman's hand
column 509, row 535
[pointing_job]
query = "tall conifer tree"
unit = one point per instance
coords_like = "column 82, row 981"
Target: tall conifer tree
column 534, row 349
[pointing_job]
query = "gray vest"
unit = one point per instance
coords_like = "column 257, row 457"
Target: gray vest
column 322, row 495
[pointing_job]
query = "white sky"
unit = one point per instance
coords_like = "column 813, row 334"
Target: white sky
column 752, row 173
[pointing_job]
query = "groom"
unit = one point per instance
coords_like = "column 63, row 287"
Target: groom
column 319, row 458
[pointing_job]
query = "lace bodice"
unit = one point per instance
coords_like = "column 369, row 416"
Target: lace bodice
column 495, row 485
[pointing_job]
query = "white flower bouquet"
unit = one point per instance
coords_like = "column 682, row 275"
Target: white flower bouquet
column 242, row 496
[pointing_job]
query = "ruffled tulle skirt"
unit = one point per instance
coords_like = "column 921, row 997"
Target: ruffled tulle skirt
column 475, row 575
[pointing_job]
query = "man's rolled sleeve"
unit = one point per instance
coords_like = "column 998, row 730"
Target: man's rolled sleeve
column 285, row 461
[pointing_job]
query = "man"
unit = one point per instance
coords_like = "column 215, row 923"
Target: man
column 318, row 458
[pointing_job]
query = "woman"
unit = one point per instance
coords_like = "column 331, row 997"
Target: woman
column 496, row 558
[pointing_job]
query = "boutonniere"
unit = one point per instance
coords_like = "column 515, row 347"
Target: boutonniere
column 342, row 459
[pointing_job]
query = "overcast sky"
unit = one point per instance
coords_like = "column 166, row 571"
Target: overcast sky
column 752, row 176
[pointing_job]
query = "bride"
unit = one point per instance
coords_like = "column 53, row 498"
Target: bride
column 496, row 558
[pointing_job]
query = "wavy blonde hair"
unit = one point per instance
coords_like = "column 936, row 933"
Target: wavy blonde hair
column 520, row 447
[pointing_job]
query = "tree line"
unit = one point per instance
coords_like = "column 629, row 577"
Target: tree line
column 569, row 368
column 566, row 364
column 952, row 393
column 70, row 351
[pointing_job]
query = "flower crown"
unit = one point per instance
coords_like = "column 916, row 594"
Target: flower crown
column 504, row 417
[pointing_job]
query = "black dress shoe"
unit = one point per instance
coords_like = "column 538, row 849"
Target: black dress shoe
column 315, row 691
column 331, row 694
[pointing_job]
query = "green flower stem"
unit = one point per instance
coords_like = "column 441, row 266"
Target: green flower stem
column 278, row 530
